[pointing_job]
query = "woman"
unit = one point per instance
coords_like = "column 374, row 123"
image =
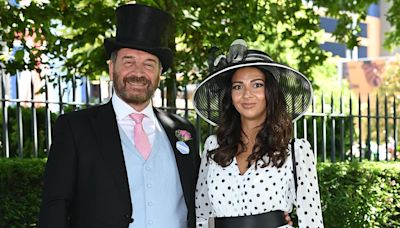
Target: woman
column 246, row 177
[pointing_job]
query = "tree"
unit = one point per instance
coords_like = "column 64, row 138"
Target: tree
column 393, row 17
column 72, row 33
column 390, row 78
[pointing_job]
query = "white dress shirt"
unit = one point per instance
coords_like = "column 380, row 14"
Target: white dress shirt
column 122, row 112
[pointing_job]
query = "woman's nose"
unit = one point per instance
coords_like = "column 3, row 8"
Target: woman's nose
column 247, row 92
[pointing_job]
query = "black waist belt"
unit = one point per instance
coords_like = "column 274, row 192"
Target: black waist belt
column 271, row 219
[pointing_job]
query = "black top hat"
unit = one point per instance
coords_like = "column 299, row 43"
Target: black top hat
column 144, row 28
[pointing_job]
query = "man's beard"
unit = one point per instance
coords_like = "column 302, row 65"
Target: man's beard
column 130, row 96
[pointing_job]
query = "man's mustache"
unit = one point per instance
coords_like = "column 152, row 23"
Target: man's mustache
column 135, row 79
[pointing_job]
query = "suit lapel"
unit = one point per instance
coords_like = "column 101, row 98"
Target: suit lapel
column 106, row 130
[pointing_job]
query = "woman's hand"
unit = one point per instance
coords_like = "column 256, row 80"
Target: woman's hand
column 288, row 219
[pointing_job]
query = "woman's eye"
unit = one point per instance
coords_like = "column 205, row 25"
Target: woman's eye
column 236, row 87
column 258, row 85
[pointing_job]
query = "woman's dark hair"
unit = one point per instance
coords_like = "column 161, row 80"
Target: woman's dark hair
column 273, row 138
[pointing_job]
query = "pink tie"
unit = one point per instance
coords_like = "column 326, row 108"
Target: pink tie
column 139, row 136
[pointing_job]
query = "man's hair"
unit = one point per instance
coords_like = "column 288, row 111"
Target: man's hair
column 113, row 56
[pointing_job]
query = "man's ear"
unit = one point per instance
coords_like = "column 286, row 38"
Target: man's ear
column 110, row 69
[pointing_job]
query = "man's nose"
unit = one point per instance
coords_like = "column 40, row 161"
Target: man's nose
column 137, row 69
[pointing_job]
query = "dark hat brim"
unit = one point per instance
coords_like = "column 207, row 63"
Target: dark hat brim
column 164, row 54
column 297, row 89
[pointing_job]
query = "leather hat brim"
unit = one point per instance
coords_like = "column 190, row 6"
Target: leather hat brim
column 164, row 54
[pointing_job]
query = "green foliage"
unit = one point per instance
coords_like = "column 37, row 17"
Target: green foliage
column 278, row 27
column 27, row 134
column 390, row 87
column 72, row 32
column 363, row 194
column 392, row 40
column 349, row 15
column 20, row 191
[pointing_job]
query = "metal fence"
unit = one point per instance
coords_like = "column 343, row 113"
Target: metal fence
column 338, row 129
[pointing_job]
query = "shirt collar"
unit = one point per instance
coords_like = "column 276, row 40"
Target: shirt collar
column 123, row 110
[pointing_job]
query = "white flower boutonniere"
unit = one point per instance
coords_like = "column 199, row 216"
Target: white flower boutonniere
column 183, row 136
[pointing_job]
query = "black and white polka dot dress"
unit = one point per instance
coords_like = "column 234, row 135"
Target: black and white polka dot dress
column 223, row 192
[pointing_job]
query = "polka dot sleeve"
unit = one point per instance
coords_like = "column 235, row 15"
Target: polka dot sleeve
column 308, row 202
column 203, row 205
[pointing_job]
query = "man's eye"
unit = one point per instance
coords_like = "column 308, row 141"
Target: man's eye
column 128, row 63
column 149, row 66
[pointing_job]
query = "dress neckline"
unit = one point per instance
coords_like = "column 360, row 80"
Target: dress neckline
column 237, row 167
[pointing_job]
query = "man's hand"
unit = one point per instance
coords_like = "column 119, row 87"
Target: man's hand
column 288, row 219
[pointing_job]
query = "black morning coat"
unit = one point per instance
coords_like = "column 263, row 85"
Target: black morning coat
column 85, row 181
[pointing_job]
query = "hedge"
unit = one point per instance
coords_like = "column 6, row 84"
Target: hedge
column 365, row 194
column 20, row 191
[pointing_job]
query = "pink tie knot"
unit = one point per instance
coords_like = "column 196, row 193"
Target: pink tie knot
column 137, row 117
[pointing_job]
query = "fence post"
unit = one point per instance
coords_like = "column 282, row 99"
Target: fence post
column 20, row 130
column 60, row 95
column 351, row 127
column 87, row 91
column 341, row 128
column 47, row 115
column 34, row 120
column 386, row 128
column 100, row 92
column 74, row 92
column 368, row 152
column 198, row 133
column 315, row 132
column 394, row 127
column 333, row 126
column 323, row 146
column 359, row 127
column 377, row 126
column 185, row 94
column 6, row 142
column 162, row 93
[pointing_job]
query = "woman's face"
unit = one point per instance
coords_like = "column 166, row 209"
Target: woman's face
column 248, row 93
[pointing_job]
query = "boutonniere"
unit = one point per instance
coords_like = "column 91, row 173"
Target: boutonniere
column 183, row 136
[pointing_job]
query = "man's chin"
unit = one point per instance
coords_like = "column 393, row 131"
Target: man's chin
column 137, row 98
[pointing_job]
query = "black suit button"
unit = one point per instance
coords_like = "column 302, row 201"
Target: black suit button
column 128, row 217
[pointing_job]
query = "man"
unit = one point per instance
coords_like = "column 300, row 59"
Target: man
column 103, row 170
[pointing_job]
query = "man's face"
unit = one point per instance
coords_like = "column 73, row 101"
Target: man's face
column 135, row 75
